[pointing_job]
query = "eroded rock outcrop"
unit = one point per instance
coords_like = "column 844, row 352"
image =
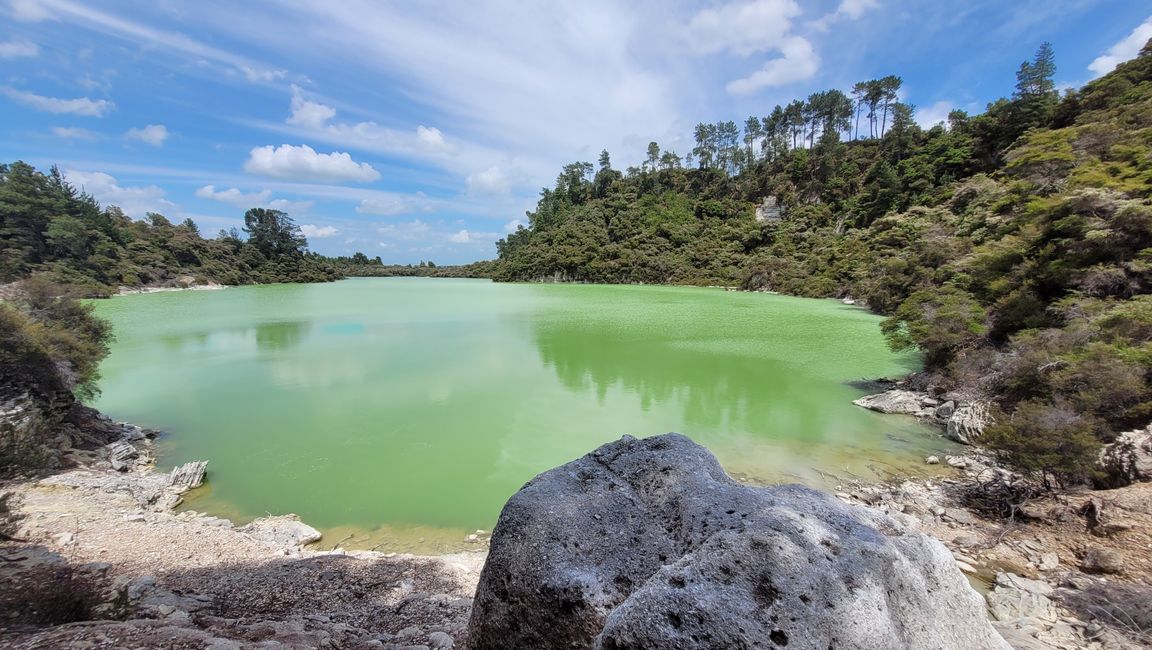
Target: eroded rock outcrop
column 967, row 423
column 649, row 544
column 1129, row 458
column 964, row 421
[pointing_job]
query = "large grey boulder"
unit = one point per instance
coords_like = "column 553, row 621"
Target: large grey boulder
column 649, row 544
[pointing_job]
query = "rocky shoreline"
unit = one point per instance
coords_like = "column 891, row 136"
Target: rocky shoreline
column 143, row 575
column 1063, row 570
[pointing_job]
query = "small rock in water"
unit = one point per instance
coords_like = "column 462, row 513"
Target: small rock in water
column 471, row 538
column 932, row 460
column 956, row 461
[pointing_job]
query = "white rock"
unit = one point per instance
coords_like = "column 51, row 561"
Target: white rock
column 902, row 402
column 932, row 460
column 968, row 422
column 1129, row 458
column 282, row 532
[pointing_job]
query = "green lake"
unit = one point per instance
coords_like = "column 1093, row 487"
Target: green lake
column 401, row 413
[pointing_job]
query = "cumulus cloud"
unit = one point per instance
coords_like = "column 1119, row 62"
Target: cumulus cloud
column 153, row 134
column 934, row 114
column 491, row 181
column 234, row 196
column 742, row 28
column 798, row 62
column 316, row 120
column 18, row 49
column 846, row 10
column 753, row 26
column 79, row 106
column 303, row 163
column 136, row 202
column 312, row 231
column 75, row 133
column 460, row 237
column 307, row 113
column 1126, row 49
column 514, row 225
column 430, row 137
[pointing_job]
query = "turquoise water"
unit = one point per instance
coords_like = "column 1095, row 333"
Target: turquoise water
column 405, row 411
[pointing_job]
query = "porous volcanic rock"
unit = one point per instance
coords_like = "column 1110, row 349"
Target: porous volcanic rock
column 649, row 544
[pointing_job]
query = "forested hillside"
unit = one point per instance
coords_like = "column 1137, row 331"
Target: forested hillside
column 49, row 227
column 1013, row 247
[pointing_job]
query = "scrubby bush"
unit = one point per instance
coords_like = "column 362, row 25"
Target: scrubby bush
column 1053, row 444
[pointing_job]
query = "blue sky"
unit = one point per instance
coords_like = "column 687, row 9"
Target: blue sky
column 424, row 130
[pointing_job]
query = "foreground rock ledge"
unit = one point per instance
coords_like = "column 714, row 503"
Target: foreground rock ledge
column 649, row 544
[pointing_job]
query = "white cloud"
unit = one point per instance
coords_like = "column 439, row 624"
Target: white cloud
column 18, row 49
column 136, row 202
column 847, row 10
column 798, row 63
column 307, row 113
column 479, row 70
column 745, row 28
column 234, row 196
column 742, row 28
column 430, row 137
column 397, row 204
column 153, row 134
column 75, row 133
column 491, row 181
column 318, row 232
column 303, row 163
column 514, row 225
column 1124, row 50
column 79, row 106
column 291, row 207
column 934, row 114
column 415, row 230
column 262, row 75
column 28, row 11
column 314, row 121
column 422, row 237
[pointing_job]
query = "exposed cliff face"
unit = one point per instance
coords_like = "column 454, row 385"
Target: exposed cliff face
column 51, row 431
column 649, row 544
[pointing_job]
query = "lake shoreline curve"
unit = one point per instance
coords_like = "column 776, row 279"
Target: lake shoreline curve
column 160, row 577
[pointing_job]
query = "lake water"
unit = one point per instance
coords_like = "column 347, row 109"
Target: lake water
column 403, row 412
